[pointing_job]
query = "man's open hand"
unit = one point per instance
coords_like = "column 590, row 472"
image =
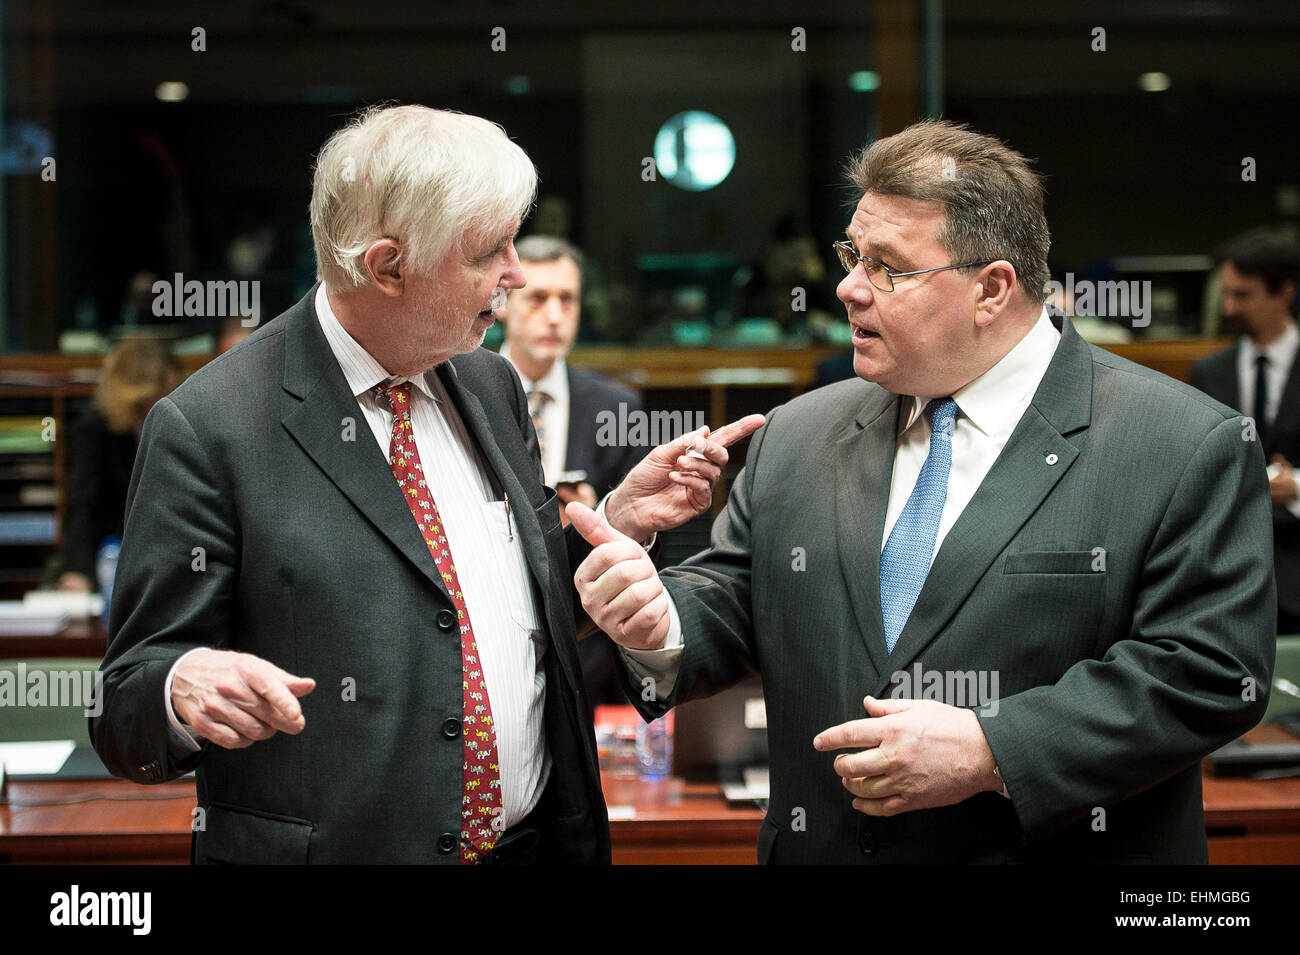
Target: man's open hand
column 675, row 481
column 914, row 754
column 235, row 699
column 618, row 584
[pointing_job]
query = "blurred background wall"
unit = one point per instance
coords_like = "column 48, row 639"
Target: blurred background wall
column 184, row 151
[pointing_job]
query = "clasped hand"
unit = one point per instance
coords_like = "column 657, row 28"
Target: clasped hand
column 911, row 754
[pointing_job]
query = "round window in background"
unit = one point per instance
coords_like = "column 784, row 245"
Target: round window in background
column 694, row 150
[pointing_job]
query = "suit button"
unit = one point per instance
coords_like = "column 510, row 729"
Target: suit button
column 446, row 620
column 451, row 728
column 867, row 843
column 447, row 843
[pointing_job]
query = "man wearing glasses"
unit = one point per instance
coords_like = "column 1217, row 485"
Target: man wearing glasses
column 1042, row 570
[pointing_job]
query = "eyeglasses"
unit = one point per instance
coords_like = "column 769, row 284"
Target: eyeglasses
column 881, row 275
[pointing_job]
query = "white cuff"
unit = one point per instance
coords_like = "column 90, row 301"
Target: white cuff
column 177, row 731
column 658, row 666
column 600, row 512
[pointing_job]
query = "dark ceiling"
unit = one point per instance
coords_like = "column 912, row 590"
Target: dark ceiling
column 117, row 50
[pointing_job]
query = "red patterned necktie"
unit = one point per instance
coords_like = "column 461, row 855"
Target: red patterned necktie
column 481, row 803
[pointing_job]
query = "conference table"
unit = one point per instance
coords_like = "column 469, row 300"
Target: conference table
column 651, row 822
column 80, row 638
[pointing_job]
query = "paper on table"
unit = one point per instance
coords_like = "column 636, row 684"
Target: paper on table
column 33, row 759
column 20, row 619
column 78, row 606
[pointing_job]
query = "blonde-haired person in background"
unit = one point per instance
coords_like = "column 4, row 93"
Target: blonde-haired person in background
column 101, row 451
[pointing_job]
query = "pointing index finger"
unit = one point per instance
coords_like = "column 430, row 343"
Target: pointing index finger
column 270, row 686
column 729, row 434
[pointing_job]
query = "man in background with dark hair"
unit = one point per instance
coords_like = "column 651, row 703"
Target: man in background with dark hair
column 1259, row 272
column 541, row 322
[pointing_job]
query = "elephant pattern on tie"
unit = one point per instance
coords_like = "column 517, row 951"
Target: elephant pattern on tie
column 481, row 780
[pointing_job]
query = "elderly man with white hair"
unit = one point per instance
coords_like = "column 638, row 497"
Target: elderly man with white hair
column 344, row 596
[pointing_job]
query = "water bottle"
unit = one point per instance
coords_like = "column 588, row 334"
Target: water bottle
column 654, row 748
column 106, row 569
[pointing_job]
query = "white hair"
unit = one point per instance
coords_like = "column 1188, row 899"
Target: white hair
column 435, row 181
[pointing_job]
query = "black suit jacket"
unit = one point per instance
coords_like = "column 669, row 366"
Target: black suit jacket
column 264, row 518
column 589, row 395
column 1217, row 377
column 1112, row 571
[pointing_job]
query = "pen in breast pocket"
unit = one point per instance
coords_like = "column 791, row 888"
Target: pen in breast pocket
column 510, row 530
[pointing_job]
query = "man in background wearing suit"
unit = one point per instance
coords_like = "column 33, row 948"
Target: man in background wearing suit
column 354, row 493
column 541, row 323
column 1258, row 274
column 1044, row 567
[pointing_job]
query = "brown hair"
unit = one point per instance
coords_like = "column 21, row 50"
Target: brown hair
column 137, row 373
column 993, row 201
column 1264, row 253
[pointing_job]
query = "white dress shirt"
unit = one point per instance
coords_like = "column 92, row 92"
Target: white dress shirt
column 489, row 557
column 554, row 415
column 989, row 408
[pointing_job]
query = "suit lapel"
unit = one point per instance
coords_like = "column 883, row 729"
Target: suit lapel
column 1234, row 385
column 319, row 422
column 522, row 512
column 1036, row 457
column 864, row 466
column 316, row 415
column 1228, row 386
column 578, row 453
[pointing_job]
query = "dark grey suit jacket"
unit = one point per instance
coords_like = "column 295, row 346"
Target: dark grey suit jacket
column 1112, row 683
column 310, row 559
column 1217, row 377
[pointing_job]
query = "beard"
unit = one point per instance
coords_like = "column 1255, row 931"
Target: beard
column 437, row 327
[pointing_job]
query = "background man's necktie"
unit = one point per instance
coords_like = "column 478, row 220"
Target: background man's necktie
column 1261, row 398
column 537, row 400
column 905, row 561
column 481, row 800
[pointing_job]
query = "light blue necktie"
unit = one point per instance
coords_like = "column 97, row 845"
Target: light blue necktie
column 905, row 561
